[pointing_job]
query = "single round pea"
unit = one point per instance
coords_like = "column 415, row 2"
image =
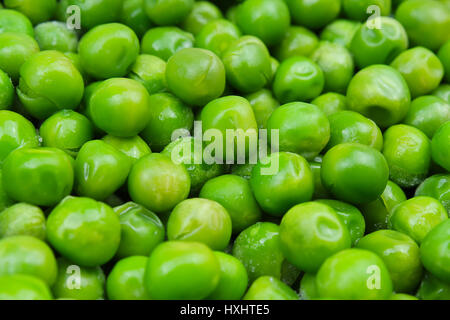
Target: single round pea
column 443, row 92
column 298, row 79
column 408, row 153
column 263, row 104
column 282, row 181
column 354, row 274
column 135, row 147
column 354, row 172
column 181, row 270
column 254, row 16
column 163, row 42
column 54, row 35
column 428, row 113
column 200, row 220
column 133, row 15
column 269, row 288
column 432, row 288
column 440, row 147
column 49, row 82
column 350, row 216
column 340, row 32
column 235, row 195
column 126, row 279
column 349, row 126
column 337, row 65
column 167, row 114
column 217, row 36
column 331, row 103
column 434, row 251
column 15, row 49
column 297, row 41
column 22, row 219
column 444, row 56
column 168, row 12
column 308, row 288
column 27, row 255
column 108, row 50
column 438, row 187
column 417, row 216
column 421, row 68
column 15, row 21
column 15, row 132
column 247, row 64
column 120, row 107
column 157, row 183
column 67, row 130
column 376, row 213
column 92, row 12
column 39, row 176
column 151, row 72
column 36, row 10
column 6, row 91
column 314, row 14
column 302, row 128
column 427, row 23
column 310, row 233
column 196, row 76
column 258, row 248
column 357, row 9
column 93, row 240
column 78, row 282
column 401, row 255
column 202, row 12
column 23, row 287
column 380, row 93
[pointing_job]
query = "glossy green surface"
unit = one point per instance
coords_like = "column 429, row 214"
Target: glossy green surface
column 22, row 219
column 163, row 42
column 443, row 92
column 6, row 91
column 340, row 32
column 444, row 56
column 23, row 287
column 357, row 9
column 56, row 36
column 438, row 187
column 217, row 36
column 331, row 103
column 432, row 288
column 314, row 14
column 168, row 12
column 440, row 148
column 202, row 12
column 135, row 147
column 133, row 15
column 263, row 103
column 296, row 41
column 151, row 72
column 14, row 21
column 36, row 10
column 270, row 288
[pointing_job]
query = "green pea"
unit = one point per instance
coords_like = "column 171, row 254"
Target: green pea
column 90, row 242
column 357, row 9
column 151, row 72
column 350, row 126
column 55, row 35
column 126, row 279
column 168, row 12
column 39, row 176
column 253, row 17
column 23, row 287
column 217, row 36
column 350, row 216
column 354, row 274
column 438, row 187
column 402, row 296
column 108, row 50
column 76, row 61
column 314, row 14
column 269, row 288
column 78, row 282
column 417, row 216
column 167, row 114
column 298, row 79
column 15, row 49
column 135, row 148
column 408, row 153
column 67, row 130
column 380, row 93
column 440, row 149
column 302, row 128
column 319, row 190
column 27, row 255
column 443, row 92
column 444, row 56
column 242, row 170
column 427, row 23
column 434, row 251
column 15, row 21
column 196, row 76
column 281, row 182
column 202, row 12
column 36, row 10
column 247, row 64
column 233, row 278
column 182, row 270
column 6, row 91
column 263, row 104
column 432, row 288
column 354, row 173
column 49, row 82
column 235, row 195
column 330, row 103
column 133, row 15
column 163, row 42
column 297, row 41
column 340, row 32
column 376, row 213
column 22, row 219
column 308, row 288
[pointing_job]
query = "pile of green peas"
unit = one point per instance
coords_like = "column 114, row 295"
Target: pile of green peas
column 93, row 206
